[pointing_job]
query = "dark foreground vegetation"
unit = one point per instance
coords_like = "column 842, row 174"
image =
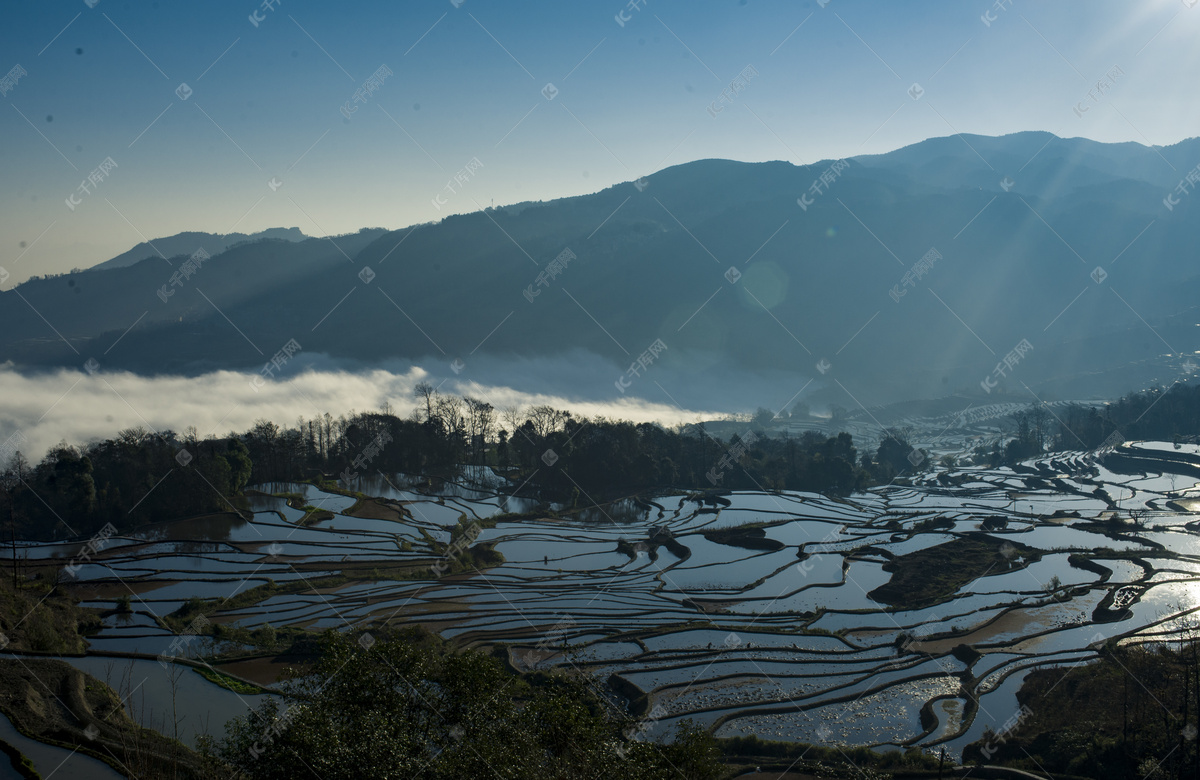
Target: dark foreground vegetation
column 1132, row 714
column 403, row 706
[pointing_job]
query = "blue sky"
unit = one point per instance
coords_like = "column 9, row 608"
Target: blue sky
column 469, row 82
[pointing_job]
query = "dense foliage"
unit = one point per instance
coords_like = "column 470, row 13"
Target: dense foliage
column 1169, row 414
column 1160, row 415
column 140, row 477
column 406, row 707
column 556, row 452
column 1132, row 714
column 128, row 481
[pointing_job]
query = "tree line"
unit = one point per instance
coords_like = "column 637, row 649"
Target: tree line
column 125, row 482
column 1170, row 414
column 140, row 477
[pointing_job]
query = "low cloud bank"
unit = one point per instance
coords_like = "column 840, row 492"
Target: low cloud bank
column 37, row 411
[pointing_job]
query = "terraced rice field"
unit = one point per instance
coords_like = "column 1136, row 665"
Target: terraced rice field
column 781, row 633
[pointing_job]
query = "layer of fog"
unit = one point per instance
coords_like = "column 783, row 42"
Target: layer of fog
column 40, row 410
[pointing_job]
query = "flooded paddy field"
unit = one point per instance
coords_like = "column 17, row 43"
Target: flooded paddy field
column 904, row 615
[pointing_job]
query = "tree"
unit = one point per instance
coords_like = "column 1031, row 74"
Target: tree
column 403, row 706
column 894, row 453
column 11, row 481
column 425, row 392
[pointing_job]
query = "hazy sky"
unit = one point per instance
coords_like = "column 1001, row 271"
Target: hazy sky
column 263, row 102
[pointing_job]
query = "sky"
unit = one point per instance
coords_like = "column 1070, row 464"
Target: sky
column 130, row 121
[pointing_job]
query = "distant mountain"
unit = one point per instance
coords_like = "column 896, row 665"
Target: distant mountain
column 189, row 242
column 816, row 297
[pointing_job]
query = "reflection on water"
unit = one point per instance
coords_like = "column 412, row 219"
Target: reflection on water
column 635, row 604
column 152, row 693
column 209, row 528
column 623, row 512
column 51, row 759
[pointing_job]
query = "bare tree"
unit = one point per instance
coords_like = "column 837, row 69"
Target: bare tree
column 449, row 410
column 426, row 392
column 480, row 420
column 546, row 420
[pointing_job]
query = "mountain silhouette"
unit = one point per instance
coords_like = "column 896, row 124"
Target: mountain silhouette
column 188, row 242
column 1065, row 245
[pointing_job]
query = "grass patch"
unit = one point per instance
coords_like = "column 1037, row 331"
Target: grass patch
column 225, row 681
column 749, row 537
column 36, row 616
column 312, row 515
column 925, row 577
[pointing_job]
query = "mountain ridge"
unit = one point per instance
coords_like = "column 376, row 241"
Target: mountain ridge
column 652, row 261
